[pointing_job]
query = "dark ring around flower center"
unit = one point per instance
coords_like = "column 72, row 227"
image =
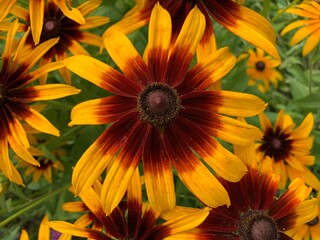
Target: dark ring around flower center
column 257, row 225
column 260, row 66
column 2, row 95
column 51, row 28
column 158, row 104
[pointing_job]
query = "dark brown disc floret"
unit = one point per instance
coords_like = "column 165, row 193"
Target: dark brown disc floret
column 158, row 104
column 44, row 162
column 260, row 66
column 3, row 94
column 257, row 225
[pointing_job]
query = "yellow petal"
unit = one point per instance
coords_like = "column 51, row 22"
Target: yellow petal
column 249, row 25
column 311, row 43
column 44, row 230
column 191, row 31
column 306, row 174
column 51, row 91
column 24, row 235
column 36, row 19
column 306, row 211
column 30, row 60
column 93, row 22
column 159, row 31
column 68, row 228
column 5, row 7
column 39, row 122
column 126, row 57
column 240, row 104
column 225, row 164
column 201, row 182
column 73, row 14
column 186, row 222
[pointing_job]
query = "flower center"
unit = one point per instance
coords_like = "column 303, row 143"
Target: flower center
column 51, row 28
column 44, row 162
column 257, row 225
column 313, row 222
column 276, row 144
column 260, row 66
column 158, row 104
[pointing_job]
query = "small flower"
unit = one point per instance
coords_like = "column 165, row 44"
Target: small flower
column 44, row 169
column 310, row 10
column 130, row 220
column 288, row 147
column 48, row 21
column 16, row 93
column 162, row 113
column 262, row 67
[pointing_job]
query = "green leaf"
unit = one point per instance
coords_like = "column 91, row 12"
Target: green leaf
column 310, row 101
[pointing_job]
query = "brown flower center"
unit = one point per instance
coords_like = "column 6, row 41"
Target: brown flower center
column 257, row 225
column 276, row 144
column 158, row 104
column 51, row 28
column 313, row 222
column 44, row 162
column 260, row 66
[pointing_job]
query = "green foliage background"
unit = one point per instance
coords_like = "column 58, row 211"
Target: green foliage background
column 298, row 94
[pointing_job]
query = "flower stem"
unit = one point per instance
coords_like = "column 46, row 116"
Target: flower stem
column 34, row 204
column 266, row 8
column 310, row 65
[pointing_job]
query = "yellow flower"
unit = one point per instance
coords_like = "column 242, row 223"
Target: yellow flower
column 288, row 147
column 49, row 20
column 261, row 67
column 309, row 26
column 130, row 220
column 45, row 166
column 15, row 94
column 161, row 113
column 238, row 19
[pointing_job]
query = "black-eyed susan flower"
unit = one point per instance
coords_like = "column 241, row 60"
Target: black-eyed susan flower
column 255, row 212
column 49, row 20
column 47, row 162
column 309, row 230
column 288, row 147
column 262, row 68
column 131, row 220
column 309, row 27
column 161, row 112
column 39, row 16
column 44, row 231
column 238, row 19
column 45, row 167
column 16, row 93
